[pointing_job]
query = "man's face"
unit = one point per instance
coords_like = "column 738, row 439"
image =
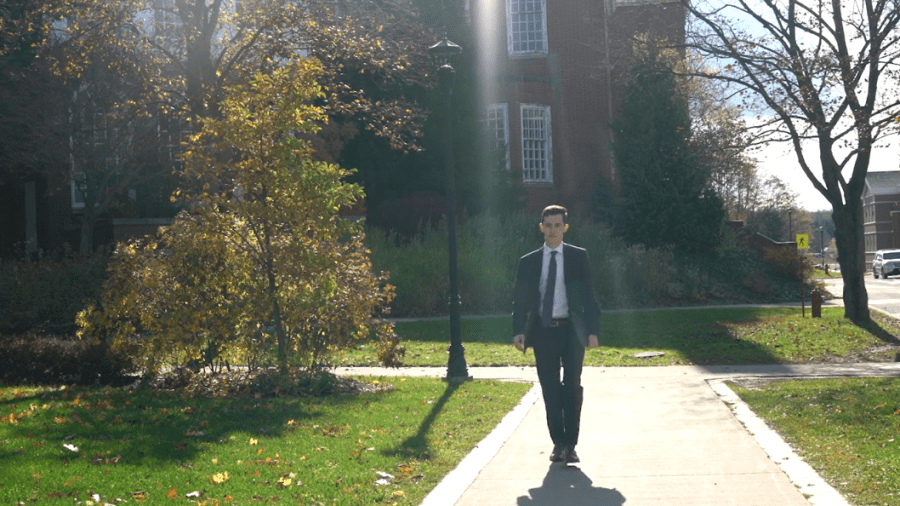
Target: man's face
column 553, row 229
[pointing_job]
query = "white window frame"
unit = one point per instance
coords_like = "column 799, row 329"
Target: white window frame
column 523, row 18
column 77, row 190
column 172, row 142
column 537, row 147
column 497, row 128
column 165, row 18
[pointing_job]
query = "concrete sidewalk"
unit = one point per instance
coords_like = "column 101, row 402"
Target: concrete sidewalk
column 650, row 436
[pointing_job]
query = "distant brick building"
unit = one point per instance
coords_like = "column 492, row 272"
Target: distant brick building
column 560, row 71
column 881, row 212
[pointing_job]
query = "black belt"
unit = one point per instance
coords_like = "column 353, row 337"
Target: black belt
column 558, row 322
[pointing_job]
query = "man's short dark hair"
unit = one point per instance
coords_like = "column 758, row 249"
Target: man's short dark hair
column 553, row 210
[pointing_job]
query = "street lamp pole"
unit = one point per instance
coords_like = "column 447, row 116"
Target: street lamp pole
column 444, row 53
column 822, row 244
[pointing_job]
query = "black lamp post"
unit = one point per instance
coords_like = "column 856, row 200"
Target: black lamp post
column 444, row 54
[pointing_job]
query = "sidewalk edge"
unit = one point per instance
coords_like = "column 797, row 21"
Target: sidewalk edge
column 457, row 481
column 817, row 491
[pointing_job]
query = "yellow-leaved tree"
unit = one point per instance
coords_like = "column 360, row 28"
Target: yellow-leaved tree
column 260, row 263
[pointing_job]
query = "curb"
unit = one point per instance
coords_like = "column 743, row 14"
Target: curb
column 455, row 483
column 817, row 491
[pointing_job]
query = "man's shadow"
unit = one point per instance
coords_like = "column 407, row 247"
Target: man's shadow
column 571, row 487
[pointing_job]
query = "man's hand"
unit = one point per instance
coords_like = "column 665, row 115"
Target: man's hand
column 593, row 342
column 519, row 342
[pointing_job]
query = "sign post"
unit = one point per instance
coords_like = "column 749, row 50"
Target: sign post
column 802, row 243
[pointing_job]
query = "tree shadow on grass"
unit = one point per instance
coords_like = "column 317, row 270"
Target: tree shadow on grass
column 877, row 329
column 154, row 428
column 417, row 446
column 701, row 336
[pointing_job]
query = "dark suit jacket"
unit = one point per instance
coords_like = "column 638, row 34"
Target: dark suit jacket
column 584, row 312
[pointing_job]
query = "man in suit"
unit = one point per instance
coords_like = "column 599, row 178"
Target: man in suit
column 556, row 313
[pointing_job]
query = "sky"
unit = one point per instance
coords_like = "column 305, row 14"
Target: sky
column 780, row 160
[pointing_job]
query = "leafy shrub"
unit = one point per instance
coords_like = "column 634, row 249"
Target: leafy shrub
column 47, row 293
column 488, row 249
column 788, row 262
column 35, row 359
column 260, row 260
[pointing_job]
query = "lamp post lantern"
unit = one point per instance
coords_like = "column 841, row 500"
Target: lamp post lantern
column 444, row 53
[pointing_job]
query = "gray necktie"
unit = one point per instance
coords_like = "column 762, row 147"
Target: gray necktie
column 549, row 289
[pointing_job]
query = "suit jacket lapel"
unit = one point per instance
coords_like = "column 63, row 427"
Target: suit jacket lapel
column 568, row 264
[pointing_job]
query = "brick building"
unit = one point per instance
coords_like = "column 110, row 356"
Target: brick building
column 881, row 212
column 555, row 73
column 557, row 70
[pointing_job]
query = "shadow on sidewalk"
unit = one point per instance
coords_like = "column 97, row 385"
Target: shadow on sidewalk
column 570, row 486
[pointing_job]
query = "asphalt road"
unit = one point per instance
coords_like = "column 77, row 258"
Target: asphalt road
column 884, row 294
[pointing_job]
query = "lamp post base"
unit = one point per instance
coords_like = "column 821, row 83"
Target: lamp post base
column 457, row 379
column 457, row 370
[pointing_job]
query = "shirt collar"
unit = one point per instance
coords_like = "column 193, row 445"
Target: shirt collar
column 558, row 249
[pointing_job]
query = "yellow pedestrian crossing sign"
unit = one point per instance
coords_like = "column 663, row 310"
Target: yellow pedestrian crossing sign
column 802, row 241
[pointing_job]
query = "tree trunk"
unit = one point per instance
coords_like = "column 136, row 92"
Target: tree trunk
column 277, row 316
column 848, row 234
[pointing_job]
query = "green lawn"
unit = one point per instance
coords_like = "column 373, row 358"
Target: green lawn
column 728, row 336
column 65, row 446
column 110, row 445
column 820, row 273
column 848, row 430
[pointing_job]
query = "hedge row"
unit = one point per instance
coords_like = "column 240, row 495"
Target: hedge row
column 42, row 360
column 625, row 276
column 47, row 293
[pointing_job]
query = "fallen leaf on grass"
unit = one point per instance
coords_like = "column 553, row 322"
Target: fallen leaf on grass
column 219, row 478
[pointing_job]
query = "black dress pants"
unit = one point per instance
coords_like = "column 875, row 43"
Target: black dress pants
column 556, row 347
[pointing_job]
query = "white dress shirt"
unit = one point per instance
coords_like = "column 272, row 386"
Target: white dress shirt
column 560, row 301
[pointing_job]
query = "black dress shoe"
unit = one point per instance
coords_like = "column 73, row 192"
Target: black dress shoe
column 570, row 456
column 558, row 454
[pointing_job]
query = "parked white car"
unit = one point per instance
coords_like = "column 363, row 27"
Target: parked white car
column 886, row 263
